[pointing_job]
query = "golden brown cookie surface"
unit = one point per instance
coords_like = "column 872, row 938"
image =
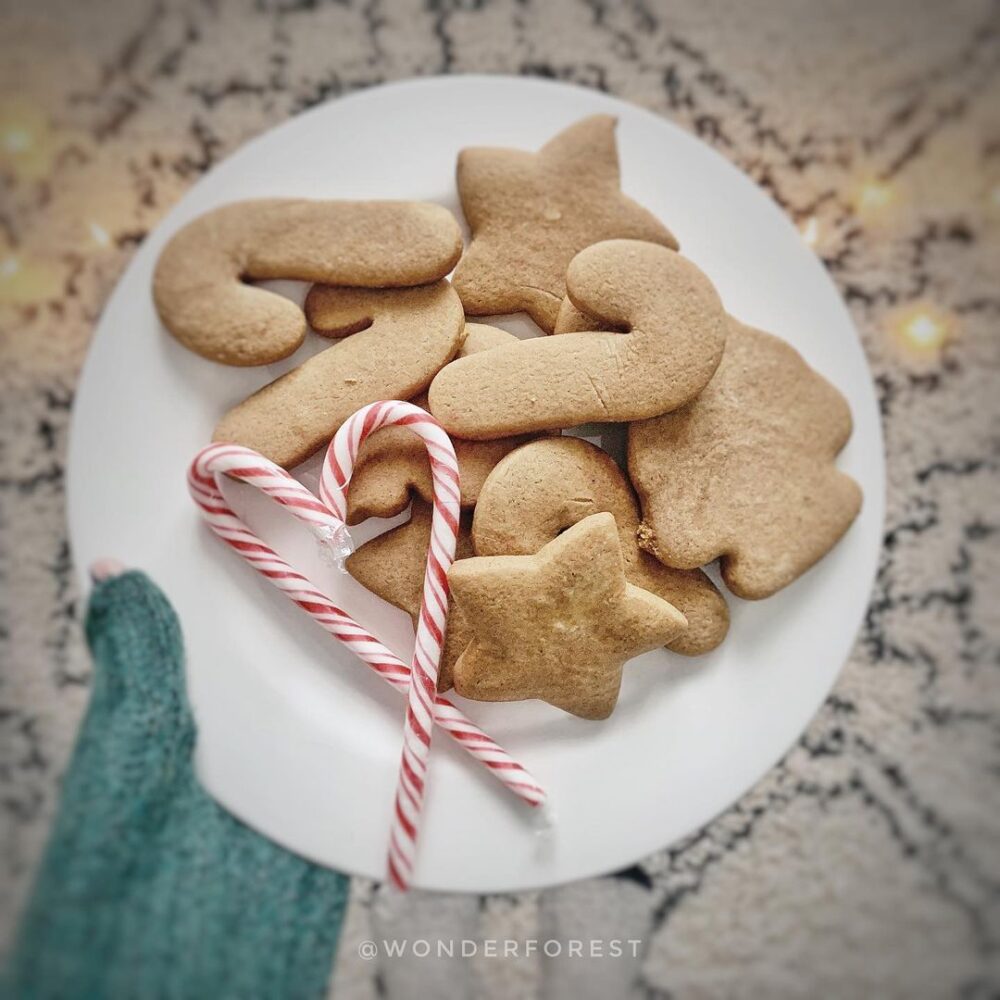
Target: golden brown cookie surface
column 746, row 471
column 546, row 486
column 531, row 213
column 556, row 625
column 199, row 283
column 393, row 462
column 676, row 333
column 413, row 333
column 392, row 566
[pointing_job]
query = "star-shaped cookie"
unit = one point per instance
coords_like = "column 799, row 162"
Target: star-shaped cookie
column 557, row 625
column 531, row 213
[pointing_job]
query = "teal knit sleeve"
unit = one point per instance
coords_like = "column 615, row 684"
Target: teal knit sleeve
column 149, row 889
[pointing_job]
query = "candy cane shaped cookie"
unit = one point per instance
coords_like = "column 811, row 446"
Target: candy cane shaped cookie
column 406, row 335
column 200, row 290
column 675, row 335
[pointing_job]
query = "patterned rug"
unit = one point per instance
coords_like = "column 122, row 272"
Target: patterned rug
column 868, row 861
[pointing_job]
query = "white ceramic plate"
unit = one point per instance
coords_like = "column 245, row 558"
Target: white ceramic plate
column 299, row 739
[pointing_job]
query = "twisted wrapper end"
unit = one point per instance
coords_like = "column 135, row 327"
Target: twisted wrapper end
column 335, row 545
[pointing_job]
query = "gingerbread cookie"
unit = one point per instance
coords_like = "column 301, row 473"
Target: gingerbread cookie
column 531, row 213
column 393, row 462
column 570, row 319
column 410, row 334
column 557, row 625
column 746, row 472
column 676, row 334
column 199, row 284
column 545, row 487
column 392, row 566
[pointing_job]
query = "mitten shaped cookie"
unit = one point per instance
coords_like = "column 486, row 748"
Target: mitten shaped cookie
column 746, row 472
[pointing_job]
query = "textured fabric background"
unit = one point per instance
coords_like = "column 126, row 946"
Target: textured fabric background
column 867, row 861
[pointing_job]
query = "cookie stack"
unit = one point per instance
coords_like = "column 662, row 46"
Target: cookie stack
column 567, row 566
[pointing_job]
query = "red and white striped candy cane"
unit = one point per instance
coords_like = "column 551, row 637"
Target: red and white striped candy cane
column 337, row 470
column 247, row 465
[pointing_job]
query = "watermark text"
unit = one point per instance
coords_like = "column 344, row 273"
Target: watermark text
column 500, row 948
